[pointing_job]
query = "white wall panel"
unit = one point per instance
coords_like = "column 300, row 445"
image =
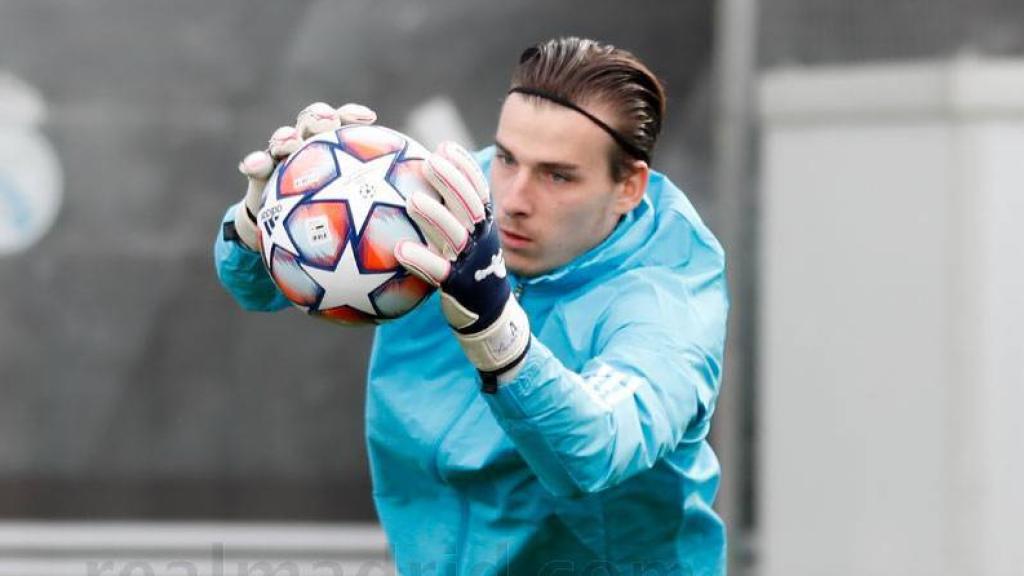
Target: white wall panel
column 892, row 306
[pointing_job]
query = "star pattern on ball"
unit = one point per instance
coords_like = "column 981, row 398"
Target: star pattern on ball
column 357, row 287
column 278, row 231
column 368, row 180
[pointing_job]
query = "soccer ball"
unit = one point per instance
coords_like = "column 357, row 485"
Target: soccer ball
column 330, row 217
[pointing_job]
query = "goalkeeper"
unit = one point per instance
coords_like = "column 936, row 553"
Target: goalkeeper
column 560, row 425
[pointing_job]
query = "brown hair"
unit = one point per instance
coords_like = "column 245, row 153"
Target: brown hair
column 583, row 72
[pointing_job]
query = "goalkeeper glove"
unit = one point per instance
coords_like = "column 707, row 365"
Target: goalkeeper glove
column 465, row 261
column 259, row 165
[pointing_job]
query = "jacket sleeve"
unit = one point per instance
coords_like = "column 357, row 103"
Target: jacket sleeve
column 243, row 275
column 650, row 387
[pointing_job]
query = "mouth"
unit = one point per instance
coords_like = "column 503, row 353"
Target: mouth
column 513, row 240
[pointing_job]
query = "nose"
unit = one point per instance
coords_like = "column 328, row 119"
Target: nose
column 515, row 200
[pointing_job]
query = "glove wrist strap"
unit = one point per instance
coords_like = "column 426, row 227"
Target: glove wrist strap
column 502, row 344
column 491, row 380
column 245, row 226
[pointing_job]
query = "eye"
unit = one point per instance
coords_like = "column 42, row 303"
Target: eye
column 560, row 178
column 505, row 158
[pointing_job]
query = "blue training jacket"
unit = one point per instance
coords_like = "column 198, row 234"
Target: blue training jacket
column 594, row 459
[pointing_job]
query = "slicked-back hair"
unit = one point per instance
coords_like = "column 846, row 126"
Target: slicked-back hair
column 589, row 73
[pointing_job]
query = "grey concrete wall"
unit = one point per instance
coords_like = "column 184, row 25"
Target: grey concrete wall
column 796, row 32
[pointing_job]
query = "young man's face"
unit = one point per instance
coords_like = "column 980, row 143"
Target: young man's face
column 551, row 181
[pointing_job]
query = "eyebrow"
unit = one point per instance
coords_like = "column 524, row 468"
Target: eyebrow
column 550, row 166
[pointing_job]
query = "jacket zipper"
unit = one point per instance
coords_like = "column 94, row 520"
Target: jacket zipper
column 518, row 291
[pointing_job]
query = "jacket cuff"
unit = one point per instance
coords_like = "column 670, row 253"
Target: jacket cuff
column 512, row 399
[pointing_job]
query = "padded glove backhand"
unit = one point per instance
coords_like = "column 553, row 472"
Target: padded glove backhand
column 464, row 260
column 259, row 165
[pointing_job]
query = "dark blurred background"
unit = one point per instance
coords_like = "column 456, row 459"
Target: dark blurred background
column 132, row 385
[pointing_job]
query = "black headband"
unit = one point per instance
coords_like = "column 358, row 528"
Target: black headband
column 621, row 140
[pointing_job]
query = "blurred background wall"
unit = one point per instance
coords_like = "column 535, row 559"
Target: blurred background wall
column 893, row 319
column 132, row 384
column 133, row 389
column 890, row 288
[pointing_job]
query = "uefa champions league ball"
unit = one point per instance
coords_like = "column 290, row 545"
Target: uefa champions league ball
column 330, row 218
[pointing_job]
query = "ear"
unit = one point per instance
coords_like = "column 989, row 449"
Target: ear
column 631, row 190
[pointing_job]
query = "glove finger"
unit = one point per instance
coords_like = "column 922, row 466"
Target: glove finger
column 441, row 228
column 352, row 113
column 316, row 118
column 422, row 262
column 464, row 161
column 283, row 142
column 257, row 164
column 257, row 167
column 456, row 190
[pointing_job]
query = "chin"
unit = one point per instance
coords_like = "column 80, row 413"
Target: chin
column 520, row 268
column 515, row 268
